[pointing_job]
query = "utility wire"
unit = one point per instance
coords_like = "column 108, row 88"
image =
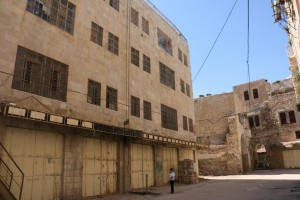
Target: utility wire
column 215, row 41
column 248, row 49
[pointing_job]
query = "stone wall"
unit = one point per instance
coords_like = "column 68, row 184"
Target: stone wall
column 186, row 173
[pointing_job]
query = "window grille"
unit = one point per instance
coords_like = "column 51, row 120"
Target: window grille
column 134, row 17
column 40, row 75
column 111, row 98
column 182, row 86
column 94, row 92
column 167, row 76
column 188, row 90
column 114, row 4
column 169, row 118
column 96, row 34
column 135, row 57
column 147, row 110
column 145, row 25
column 184, row 123
column 113, row 43
column 60, row 13
column 146, row 64
column 135, row 106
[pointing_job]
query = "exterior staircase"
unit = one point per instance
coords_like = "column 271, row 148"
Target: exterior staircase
column 11, row 177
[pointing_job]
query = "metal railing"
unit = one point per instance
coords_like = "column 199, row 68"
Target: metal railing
column 166, row 19
column 10, row 175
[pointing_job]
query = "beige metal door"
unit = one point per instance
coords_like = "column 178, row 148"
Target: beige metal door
column 170, row 160
column 141, row 165
column 39, row 155
column 186, row 154
column 99, row 167
column 291, row 158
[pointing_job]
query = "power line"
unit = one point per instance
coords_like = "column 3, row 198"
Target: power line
column 215, row 41
column 248, row 49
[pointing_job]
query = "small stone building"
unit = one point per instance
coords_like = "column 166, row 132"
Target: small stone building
column 255, row 126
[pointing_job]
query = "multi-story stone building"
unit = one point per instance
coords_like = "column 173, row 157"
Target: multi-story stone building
column 255, row 126
column 95, row 97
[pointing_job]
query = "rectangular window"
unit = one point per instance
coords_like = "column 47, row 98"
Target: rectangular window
column 179, row 54
column 297, row 134
column 191, row 125
column 40, row 75
column 134, row 17
column 257, row 121
column 292, row 117
column 255, row 94
column 113, row 43
column 169, row 118
column 60, row 13
column 185, row 61
column 164, row 41
column 135, row 57
column 147, row 110
column 251, row 121
column 111, row 98
column 145, row 25
column 167, row 76
column 135, row 106
column 94, row 92
column 146, row 64
column 96, row 34
column 282, row 118
column 182, row 86
column 184, row 123
column 246, row 95
column 188, row 90
column 114, row 4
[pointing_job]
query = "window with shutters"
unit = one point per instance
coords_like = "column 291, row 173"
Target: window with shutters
column 135, row 106
column 184, row 123
column 135, row 57
column 169, row 118
column 167, row 76
column 147, row 110
column 114, row 4
column 145, row 25
column 94, row 92
column 60, row 13
column 113, row 43
column 111, row 98
column 40, row 75
column 96, row 34
column 146, row 64
column 134, row 17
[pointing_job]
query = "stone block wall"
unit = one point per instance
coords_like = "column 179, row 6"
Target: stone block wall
column 186, row 172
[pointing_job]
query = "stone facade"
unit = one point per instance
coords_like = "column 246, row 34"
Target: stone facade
column 259, row 113
column 73, row 72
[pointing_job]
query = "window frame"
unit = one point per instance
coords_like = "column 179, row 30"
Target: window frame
column 255, row 93
column 167, row 76
column 246, row 95
column 146, row 64
column 96, row 34
column 145, row 26
column 95, row 98
column 184, row 123
column 191, row 125
column 169, row 118
column 135, row 106
column 134, row 17
column 111, row 98
column 115, row 4
column 113, row 43
column 147, row 110
column 135, row 57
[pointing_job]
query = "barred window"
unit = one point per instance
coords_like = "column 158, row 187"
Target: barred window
column 96, row 34
column 191, row 125
column 188, row 90
column 164, row 41
column 114, row 4
column 167, row 76
column 145, row 25
column 40, row 75
column 113, row 43
column 135, row 106
column 146, row 64
column 147, row 110
column 179, row 54
column 60, row 13
column 184, row 123
column 111, row 98
column 169, row 118
column 185, row 60
column 182, row 86
column 135, row 57
column 94, row 92
column 134, row 17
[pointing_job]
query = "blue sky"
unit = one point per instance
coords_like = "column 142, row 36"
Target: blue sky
column 200, row 22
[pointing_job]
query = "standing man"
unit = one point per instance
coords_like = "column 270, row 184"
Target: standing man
column 172, row 179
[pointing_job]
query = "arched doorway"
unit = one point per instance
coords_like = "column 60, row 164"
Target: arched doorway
column 260, row 157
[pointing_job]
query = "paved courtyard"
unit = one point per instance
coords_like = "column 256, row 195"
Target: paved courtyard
column 259, row 185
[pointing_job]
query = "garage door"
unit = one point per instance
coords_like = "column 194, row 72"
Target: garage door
column 170, row 160
column 291, row 158
column 39, row 155
column 186, row 154
column 141, row 165
column 99, row 167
